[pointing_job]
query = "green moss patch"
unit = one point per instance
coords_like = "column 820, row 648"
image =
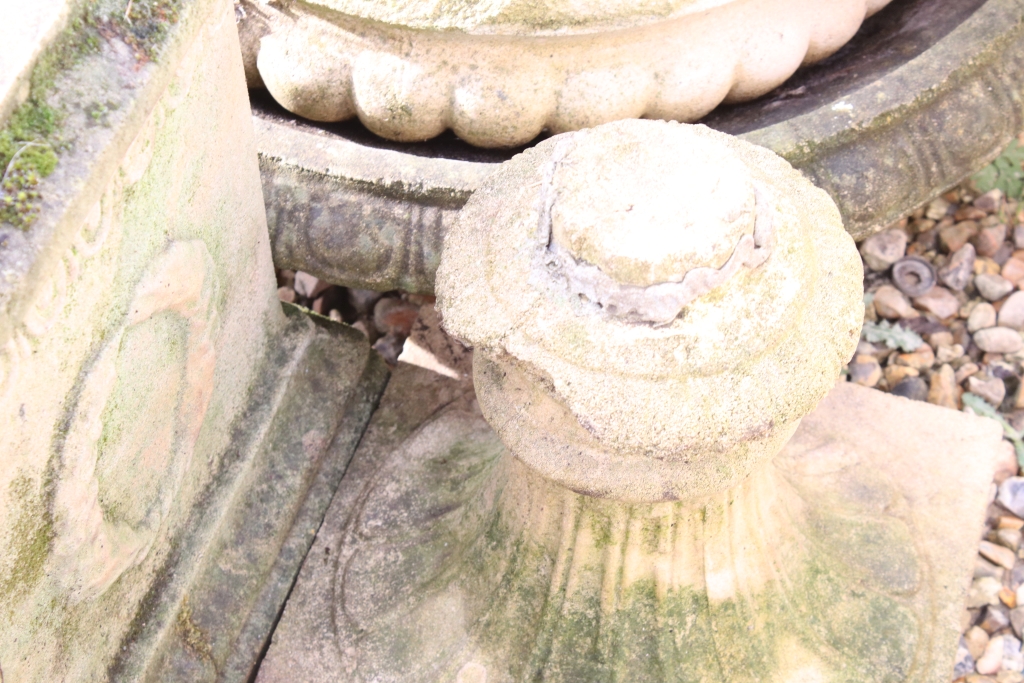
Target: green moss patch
column 32, row 140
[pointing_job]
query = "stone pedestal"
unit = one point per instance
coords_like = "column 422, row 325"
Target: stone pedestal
column 645, row 483
column 169, row 436
column 444, row 559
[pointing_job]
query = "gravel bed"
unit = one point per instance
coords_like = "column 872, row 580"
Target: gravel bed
column 943, row 311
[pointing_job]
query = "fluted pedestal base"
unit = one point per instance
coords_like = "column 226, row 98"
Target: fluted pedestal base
column 445, row 559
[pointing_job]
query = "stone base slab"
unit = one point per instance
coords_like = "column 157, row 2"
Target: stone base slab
column 442, row 559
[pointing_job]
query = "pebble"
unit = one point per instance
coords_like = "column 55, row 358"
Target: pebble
column 937, row 209
column 1018, row 236
column 965, row 371
column 1009, row 522
column 958, row 270
column 920, row 359
column 308, row 286
column 983, row 567
column 1006, row 465
column 1011, row 495
column 984, row 591
column 954, row 237
column 986, row 266
column 995, row 618
column 865, row 370
column 883, row 249
column 943, row 390
column 394, row 316
column 998, row 340
column 286, row 294
column 894, row 374
column 992, row 287
column 1006, row 676
column 1013, row 270
column 891, row 303
column 1011, row 314
column 1009, row 538
column 982, row 315
column 1001, row 555
column 991, row 661
column 976, row 640
column 1017, row 620
column 964, row 661
column 990, row 201
column 913, row 388
column 941, row 338
column 945, row 354
column 939, row 301
column 989, row 240
column 992, row 390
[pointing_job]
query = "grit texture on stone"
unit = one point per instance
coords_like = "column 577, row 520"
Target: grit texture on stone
column 498, row 73
column 445, row 559
column 711, row 388
column 160, row 431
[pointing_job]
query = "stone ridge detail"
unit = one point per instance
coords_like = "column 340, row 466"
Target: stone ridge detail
column 503, row 90
column 642, row 412
column 660, row 303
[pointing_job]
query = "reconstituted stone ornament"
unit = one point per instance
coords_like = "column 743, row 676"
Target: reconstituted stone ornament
column 623, row 497
column 683, row 327
column 498, row 73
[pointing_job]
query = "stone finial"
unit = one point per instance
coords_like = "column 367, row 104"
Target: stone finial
column 654, row 306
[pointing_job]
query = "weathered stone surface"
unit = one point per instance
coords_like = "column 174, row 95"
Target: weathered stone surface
column 164, row 448
column 921, row 71
column 517, row 68
column 505, row 287
column 374, row 565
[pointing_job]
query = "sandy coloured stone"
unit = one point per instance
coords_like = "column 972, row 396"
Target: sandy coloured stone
column 892, row 303
column 998, row 340
column 162, row 456
column 983, row 315
column 498, row 73
column 943, row 390
column 610, row 347
column 1011, row 314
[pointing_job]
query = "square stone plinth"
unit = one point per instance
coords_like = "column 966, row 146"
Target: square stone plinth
column 443, row 559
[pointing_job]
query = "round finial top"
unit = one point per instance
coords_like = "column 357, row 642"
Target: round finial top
column 658, row 217
column 656, row 356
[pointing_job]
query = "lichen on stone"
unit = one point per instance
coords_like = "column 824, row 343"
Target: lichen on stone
column 33, row 139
